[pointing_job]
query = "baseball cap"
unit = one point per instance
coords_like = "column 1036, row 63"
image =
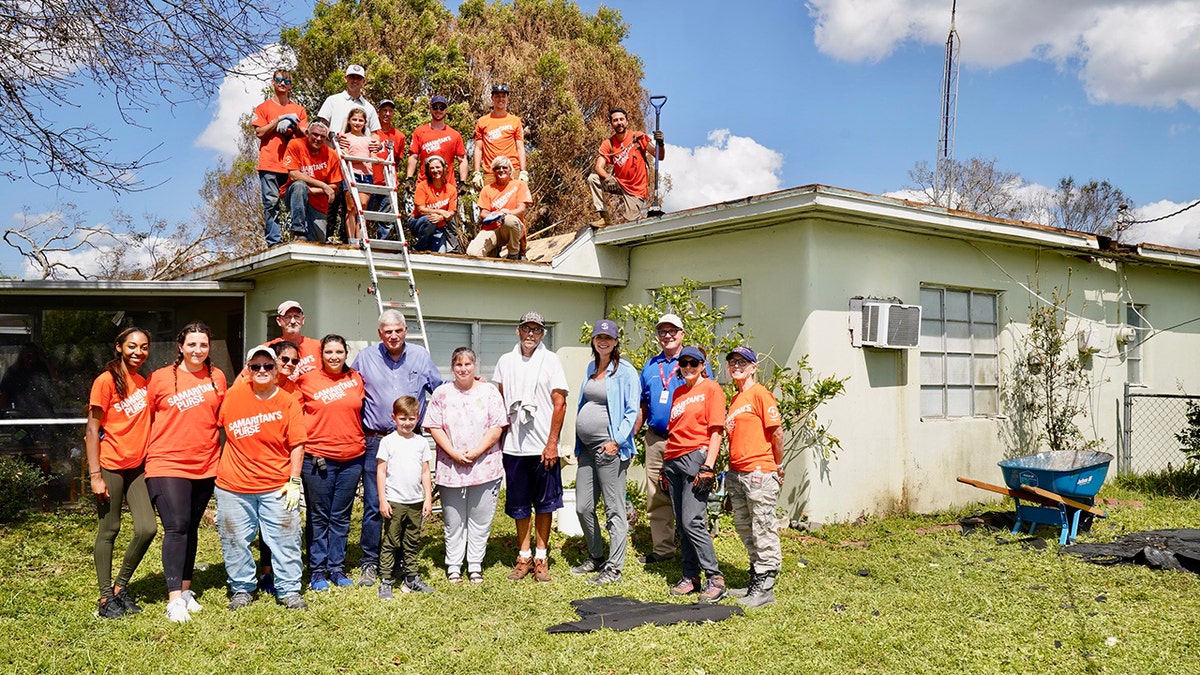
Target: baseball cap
column 500, row 89
column 261, row 349
column 691, row 352
column 532, row 317
column 744, row 352
column 386, row 101
column 670, row 319
column 288, row 304
column 439, row 99
column 319, row 122
column 355, row 69
column 606, row 327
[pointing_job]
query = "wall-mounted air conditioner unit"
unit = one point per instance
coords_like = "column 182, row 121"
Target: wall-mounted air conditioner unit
column 884, row 324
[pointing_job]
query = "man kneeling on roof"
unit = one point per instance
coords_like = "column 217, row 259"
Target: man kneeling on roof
column 314, row 176
column 502, row 207
column 434, row 204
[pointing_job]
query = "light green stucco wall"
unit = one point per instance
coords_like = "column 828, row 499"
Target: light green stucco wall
column 797, row 280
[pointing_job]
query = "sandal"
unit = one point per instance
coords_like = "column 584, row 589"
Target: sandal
column 454, row 577
column 476, row 577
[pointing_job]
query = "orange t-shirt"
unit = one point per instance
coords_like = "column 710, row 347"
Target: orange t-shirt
column 430, row 197
column 183, row 434
column 753, row 416
column 271, row 147
column 492, row 198
column 627, row 162
column 332, row 414
column 310, row 355
column 499, row 136
column 397, row 138
column 445, row 143
column 125, row 421
column 321, row 164
column 259, row 437
column 694, row 412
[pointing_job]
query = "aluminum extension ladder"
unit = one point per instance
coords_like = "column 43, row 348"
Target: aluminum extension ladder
column 412, row 307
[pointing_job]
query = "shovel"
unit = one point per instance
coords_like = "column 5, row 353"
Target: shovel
column 656, row 208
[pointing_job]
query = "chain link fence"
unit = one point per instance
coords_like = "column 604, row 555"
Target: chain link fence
column 1149, row 426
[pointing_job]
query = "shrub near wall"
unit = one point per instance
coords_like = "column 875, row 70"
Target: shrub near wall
column 20, row 482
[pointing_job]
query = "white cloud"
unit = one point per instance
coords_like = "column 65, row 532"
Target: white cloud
column 1182, row 230
column 729, row 167
column 239, row 93
column 1142, row 52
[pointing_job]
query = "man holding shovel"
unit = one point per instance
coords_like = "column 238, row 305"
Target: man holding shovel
column 622, row 170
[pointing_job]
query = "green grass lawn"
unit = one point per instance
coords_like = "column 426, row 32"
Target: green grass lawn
column 930, row 601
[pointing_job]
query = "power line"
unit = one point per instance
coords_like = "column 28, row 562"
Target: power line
column 1169, row 215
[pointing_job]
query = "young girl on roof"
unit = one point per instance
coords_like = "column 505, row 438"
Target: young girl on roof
column 117, row 426
column 359, row 146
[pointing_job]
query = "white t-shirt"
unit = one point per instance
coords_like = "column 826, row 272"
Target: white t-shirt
column 405, row 459
column 528, row 439
column 337, row 108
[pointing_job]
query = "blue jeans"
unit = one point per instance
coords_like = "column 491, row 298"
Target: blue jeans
column 239, row 517
column 270, row 182
column 372, row 521
column 329, row 497
column 307, row 221
column 428, row 236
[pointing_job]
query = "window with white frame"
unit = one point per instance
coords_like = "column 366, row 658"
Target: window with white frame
column 1135, row 318
column 959, row 352
column 489, row 340
column 728, row 296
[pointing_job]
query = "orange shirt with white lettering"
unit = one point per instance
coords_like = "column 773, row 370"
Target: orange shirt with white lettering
column 429, row 196
column 272, row 146
column 310, row 356
column 627, row 161
column 493, row 198
column 259, row 437
column 445, row 143
column 695, row 411
column 321, row 164
column 332, row 414
column 753, row 417
column 500, row 136
column 183, row 434
column 125, row 421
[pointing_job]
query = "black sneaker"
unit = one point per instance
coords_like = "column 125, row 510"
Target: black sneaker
column 240, row 600
column 110, row 608
column 607, row 576
column 293, row 601
column 415, row 584
column 385, row 590
column 127, row 602
column 367, row 575
column 588, row 566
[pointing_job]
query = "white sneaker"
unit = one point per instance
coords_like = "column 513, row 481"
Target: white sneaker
column 177, row 611
column 190, row 598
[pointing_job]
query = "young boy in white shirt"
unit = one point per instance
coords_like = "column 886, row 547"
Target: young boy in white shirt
column 405, row 499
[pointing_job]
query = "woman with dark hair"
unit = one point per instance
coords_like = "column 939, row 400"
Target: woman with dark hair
column 181, row 458
column 608, row 409
column 117, row 407
column 465, row 418
column 332, row 396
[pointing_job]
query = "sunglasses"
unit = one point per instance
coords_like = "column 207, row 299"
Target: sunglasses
column 438, row 106
column 689, row 363
column 283, row 80
column 261, row 366
column 285, row 360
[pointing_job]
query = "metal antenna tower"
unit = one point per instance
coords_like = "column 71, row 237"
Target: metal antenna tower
column 945, row 152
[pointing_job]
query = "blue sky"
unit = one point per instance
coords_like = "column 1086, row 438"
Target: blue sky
column 839, row 92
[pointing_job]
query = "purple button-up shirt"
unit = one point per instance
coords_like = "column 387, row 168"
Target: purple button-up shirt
column 387, row 379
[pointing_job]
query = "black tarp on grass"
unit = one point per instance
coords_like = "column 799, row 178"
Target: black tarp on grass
column 1156, row 549
column 619, row 613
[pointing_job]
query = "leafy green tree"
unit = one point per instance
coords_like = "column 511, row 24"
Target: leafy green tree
column 565, row 69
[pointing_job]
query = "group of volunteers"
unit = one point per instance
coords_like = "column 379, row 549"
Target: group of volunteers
column 298, row 418
column 299, row 167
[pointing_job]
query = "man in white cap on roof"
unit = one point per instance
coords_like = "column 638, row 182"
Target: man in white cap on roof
column 337, row 108
column 660, row 378
column 534, row 387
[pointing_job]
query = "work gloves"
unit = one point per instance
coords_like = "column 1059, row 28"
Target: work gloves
column 705, row 478
column 291, row 493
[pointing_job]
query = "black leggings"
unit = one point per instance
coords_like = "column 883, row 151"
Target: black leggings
column 180, row 503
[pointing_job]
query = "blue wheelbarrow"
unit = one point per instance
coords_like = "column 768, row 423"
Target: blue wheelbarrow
column 1057, row 488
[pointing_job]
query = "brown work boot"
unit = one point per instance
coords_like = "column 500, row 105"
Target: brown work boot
column 541, row 569
column 521, row 569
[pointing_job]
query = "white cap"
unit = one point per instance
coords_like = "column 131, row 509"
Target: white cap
column 286, row 305
column 355, row 69
column 261, row 349
column 671, row 319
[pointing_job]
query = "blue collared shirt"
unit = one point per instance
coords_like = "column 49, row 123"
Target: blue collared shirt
column 661, row 373
column 386, row 380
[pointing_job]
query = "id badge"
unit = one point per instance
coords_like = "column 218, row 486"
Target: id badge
column 662, row 398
